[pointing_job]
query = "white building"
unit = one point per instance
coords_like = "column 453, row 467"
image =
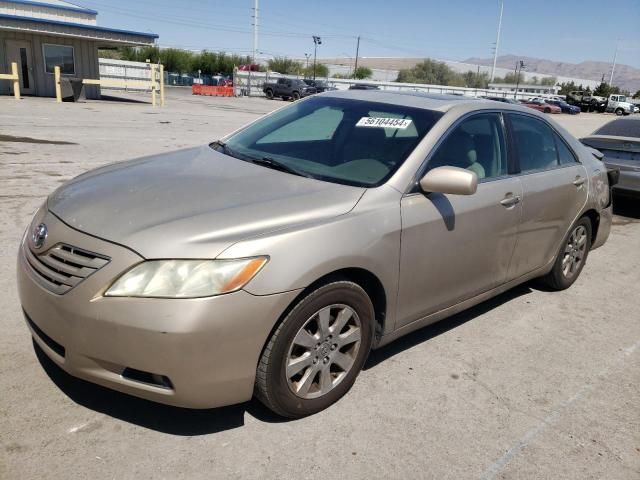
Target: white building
column 39, row 35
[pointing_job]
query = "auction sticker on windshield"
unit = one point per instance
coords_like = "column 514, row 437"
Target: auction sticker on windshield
column 382, row 122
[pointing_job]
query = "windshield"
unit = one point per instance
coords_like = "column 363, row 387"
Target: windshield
column 346, row 141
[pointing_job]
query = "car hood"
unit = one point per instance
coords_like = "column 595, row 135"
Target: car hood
column 193, row 203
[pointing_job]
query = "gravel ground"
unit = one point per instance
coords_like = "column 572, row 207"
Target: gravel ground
column 530, row 384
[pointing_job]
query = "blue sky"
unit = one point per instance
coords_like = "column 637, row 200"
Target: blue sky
column 563, row 30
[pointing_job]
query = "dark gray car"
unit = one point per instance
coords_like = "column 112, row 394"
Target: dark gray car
column 619, row 142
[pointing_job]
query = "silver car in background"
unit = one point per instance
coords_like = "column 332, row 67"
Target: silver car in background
column 619, row 143
column 271, row 262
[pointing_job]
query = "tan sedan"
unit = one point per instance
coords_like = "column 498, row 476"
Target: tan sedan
column 271, row 262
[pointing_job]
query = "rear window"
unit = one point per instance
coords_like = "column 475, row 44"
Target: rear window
column 622, row 127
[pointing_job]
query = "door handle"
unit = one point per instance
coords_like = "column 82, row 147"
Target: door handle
column 510, row 201
column 579, row 181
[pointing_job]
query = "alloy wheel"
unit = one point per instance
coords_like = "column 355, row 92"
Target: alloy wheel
column 323, row 351
column 574, row 251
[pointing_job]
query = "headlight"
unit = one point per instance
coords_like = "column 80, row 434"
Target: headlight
column 186, row 278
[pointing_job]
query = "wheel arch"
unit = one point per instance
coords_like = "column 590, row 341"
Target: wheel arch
column 364, row 278
column 594, row 218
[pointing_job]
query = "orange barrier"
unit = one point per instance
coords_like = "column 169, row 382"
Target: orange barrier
column 212, row 91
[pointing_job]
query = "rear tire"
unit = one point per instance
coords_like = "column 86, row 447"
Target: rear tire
column 296, row 96
column 571, row 258
column 547, row 110
column 269, row 94
column 314, row 356
column 619, row 112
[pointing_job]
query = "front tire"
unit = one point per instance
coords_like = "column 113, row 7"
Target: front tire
column 571, row 258
column 619, row 112
column 314, row 356
column 269, row 94
column 296, row 96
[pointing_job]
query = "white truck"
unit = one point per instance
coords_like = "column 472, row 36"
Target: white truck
column 619, row 105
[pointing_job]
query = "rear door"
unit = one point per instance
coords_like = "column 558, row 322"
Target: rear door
column 555, row 187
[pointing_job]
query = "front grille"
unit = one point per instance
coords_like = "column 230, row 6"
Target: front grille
column 62, row 267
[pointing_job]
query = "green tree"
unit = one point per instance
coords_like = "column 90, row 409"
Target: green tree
column 567, row 87
column 361, row 73
column 285, row 65
column 637, row 94
column 431, row 72
column 476, row 80
column 510, row 78
column 322, row 71
column 548, row 81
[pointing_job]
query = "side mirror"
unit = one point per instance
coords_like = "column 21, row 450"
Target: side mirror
column 453, row 180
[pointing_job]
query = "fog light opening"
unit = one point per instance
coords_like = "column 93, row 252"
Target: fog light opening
column 153, row 379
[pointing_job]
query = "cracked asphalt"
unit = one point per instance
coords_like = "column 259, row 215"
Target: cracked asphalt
column 528, row 385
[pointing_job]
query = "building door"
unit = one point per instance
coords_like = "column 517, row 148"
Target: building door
column 19, row 51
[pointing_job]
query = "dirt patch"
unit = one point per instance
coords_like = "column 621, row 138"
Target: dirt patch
column 14, row 139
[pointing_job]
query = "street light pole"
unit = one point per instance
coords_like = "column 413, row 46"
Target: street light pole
column 316, row 41
column 307, row 55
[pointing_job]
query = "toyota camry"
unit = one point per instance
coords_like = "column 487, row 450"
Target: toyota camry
column 270, row 262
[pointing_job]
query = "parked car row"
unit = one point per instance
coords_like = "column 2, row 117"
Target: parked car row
column 575, row 103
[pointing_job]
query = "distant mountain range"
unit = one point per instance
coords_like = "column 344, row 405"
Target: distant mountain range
column 625, row 76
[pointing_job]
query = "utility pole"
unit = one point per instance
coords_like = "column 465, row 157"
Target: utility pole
column 355, row 67
column 521, row 65
column 307, row 55
column 255, row 30
column 613, row 67
column 316, row 41
column 255, row 44
column 495, row 53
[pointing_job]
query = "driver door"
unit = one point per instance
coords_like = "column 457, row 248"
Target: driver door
column 455, row 247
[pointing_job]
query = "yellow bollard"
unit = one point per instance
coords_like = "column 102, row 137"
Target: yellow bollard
column 153, row 84
column 56, row 71
column 162, row 85
column 16, row 80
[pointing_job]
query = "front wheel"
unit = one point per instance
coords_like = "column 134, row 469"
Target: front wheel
column 314, row 356
column 619, row 112
column 269, row 94
column 547, row 110
column 295, row 96
column 571, row 257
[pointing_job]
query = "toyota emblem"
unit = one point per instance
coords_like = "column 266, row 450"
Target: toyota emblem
column 39, row 235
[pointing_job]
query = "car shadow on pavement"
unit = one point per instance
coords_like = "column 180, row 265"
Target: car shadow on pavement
column 625, row 206
column 154, row 416
column 427, row 333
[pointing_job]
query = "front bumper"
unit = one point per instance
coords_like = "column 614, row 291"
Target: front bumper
column 204, row 350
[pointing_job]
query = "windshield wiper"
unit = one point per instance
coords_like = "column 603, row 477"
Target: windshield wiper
column 276, row 165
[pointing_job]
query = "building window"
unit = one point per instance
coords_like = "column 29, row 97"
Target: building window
column 59, row 55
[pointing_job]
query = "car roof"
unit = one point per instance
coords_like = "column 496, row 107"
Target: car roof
column 428, row 101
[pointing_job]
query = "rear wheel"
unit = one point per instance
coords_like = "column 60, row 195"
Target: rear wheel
column 296, row 96
column 619, row 112
column 316, row 353
column 571, row 257
column 269, row 94
column 547, row 110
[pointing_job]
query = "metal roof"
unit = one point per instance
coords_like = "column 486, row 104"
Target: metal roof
column 68, row 29
column 58, row 5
